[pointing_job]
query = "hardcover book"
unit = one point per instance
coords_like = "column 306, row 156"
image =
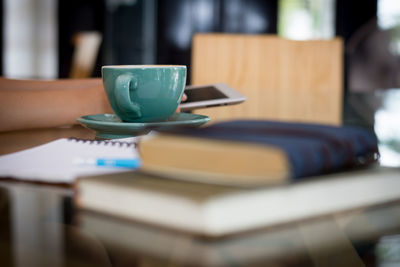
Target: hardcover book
column 216, row 210
column 256, row 152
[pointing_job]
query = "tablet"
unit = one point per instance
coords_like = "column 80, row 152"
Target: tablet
column 211, row 95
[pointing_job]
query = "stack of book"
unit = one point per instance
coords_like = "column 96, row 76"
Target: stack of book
column 244, row 175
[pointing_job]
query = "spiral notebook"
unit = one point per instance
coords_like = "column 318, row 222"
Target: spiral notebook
column 65, row 159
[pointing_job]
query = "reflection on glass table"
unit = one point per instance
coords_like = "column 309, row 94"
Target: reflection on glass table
column 41, row 226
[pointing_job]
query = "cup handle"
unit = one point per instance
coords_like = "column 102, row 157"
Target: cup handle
column 124, row 83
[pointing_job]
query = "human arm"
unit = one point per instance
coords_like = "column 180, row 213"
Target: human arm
column 28, row 104
column 38, row 104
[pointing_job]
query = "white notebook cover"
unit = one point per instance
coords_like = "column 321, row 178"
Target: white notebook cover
column 60, row 161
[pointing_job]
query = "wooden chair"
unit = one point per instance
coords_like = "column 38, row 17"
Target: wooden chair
column 282, row 79
column 86, row 50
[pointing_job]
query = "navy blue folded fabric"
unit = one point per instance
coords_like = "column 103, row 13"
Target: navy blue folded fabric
column 312, row 149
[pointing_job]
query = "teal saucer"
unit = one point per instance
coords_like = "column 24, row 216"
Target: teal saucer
column 109, row 126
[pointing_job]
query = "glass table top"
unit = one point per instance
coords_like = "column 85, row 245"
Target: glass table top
column 41, row 226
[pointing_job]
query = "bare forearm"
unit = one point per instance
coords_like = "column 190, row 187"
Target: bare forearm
column 50, row 107
column 59, row 84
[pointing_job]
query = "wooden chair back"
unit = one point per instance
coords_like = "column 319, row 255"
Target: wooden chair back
column 282, row 79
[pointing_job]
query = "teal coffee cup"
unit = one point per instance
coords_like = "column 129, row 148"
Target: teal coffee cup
column 144, row 93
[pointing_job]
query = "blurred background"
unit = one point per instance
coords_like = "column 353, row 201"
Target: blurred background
column 46, row 38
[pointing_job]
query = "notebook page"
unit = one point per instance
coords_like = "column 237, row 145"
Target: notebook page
column 56, row 162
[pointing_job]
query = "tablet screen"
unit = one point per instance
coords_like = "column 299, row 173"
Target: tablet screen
column 203, row 93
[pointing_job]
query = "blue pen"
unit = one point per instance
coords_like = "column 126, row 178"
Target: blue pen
column 110, row 162
column 124, row 163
